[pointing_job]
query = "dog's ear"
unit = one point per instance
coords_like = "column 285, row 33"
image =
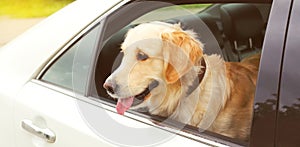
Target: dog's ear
column 181, row 50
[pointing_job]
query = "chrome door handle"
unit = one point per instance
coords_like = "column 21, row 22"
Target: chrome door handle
column 43, row 133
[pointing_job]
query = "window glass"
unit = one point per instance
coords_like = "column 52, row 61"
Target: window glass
column 228, row 32
column 171, row 12
column 70, row 70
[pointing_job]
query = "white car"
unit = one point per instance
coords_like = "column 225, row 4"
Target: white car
column 51, row 76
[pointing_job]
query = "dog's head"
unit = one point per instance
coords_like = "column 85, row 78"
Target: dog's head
column 156, row 55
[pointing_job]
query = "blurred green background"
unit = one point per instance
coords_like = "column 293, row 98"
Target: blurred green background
column 30, row 8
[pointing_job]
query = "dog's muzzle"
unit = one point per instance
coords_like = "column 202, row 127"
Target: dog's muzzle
column 138, row 99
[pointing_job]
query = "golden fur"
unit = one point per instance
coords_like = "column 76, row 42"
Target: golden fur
column 223, row 101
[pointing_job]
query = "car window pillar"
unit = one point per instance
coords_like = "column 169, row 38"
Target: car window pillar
column 288, row 116
column 267, row 90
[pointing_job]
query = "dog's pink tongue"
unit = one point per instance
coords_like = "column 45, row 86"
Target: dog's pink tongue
column 124, row 104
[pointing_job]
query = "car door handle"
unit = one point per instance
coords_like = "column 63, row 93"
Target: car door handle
column 43, row 133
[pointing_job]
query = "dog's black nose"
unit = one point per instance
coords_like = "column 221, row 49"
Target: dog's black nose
column 109, row 87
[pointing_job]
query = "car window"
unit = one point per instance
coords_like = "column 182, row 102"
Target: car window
column 171, row 12
column 70, row 70
column 228, row 32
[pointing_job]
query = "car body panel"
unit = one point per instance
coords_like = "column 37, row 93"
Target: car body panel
column 36, row 103
column 66, row 120
column 264, row 119
column 288, row 116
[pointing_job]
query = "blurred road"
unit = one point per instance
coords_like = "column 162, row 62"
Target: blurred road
column 10, row 28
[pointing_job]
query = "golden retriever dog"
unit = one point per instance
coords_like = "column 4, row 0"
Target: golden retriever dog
column 165, row 72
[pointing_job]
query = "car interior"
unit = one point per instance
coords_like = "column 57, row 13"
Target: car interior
column 237, row 28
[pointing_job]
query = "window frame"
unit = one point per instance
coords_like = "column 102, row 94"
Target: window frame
column 269, row 75
column 93, row 90
column 64, row 52
column 100, row 20
column 289, row 83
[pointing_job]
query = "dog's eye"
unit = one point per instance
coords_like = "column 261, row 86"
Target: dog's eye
column 142, row 56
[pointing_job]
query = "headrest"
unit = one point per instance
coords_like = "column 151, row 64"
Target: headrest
column 241, row 21
column 206, row 29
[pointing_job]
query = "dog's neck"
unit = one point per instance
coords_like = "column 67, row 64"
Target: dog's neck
column 188, row 98
column 197, row 79
column 203, row 103
column 180, row 90
column 201, row 106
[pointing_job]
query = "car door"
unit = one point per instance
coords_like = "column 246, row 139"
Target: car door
column 48, row 110
column 61, row 101
column 52, row 108
column 46, row 114
column 288, row 115
column 263, row 129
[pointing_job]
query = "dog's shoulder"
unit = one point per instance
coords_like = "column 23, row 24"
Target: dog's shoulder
column 241, row 82
column 243, row 71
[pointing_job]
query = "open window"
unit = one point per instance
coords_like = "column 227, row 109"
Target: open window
column 234, row 31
